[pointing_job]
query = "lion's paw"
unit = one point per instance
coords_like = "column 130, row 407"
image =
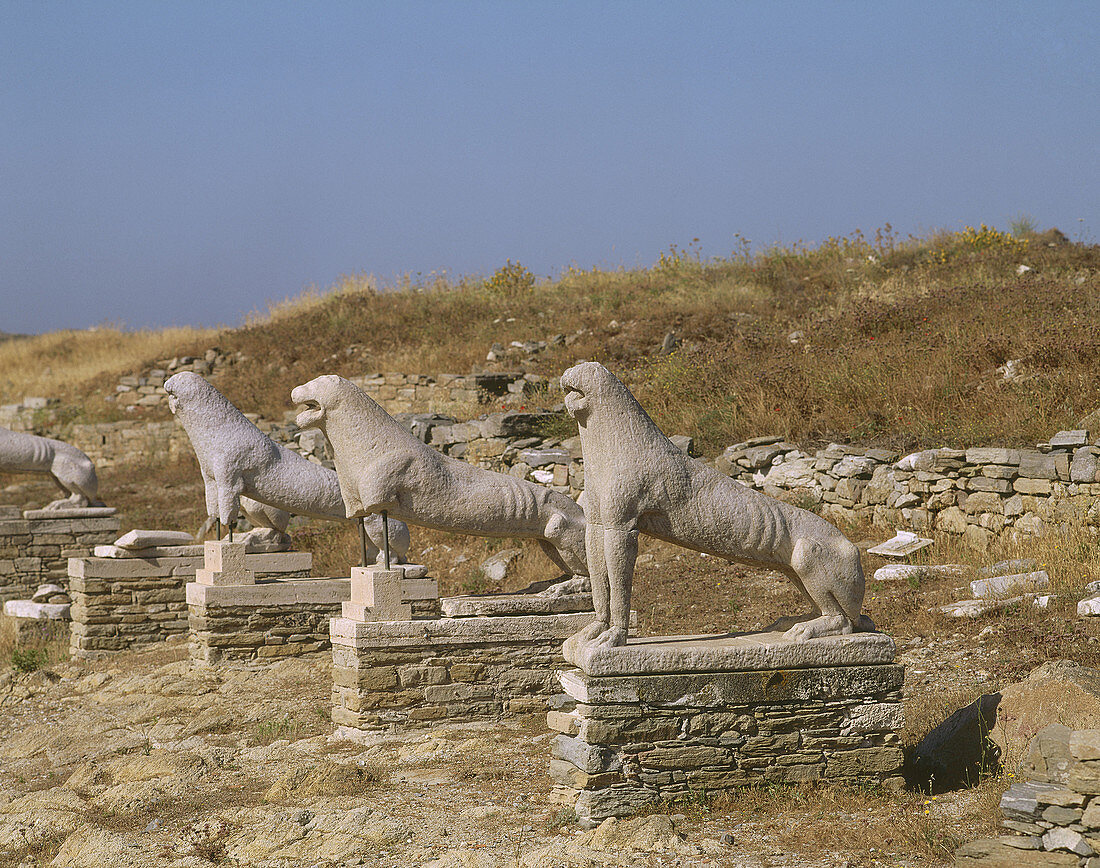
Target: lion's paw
column 826, row 625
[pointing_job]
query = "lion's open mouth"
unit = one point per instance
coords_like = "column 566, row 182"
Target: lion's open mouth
column 310, row 416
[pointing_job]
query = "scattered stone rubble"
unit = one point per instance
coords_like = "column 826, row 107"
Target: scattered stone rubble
column 1054, row 809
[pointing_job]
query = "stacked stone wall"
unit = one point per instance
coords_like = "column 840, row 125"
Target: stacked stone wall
column 1051, row 815
column 465, row 394
column 268, row 620
column 147, row 389
column 35, row 551
column 124, row 603
column 417, row 672
column 629, row 741
column 979, row 493
column 111, row 443
column 31, row 415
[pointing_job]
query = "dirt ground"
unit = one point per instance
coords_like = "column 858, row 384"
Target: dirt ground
column 143, row 759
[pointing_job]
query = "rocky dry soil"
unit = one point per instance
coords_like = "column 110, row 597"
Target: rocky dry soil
column 148, row 760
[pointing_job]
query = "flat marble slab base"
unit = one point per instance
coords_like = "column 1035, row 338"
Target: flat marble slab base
column 85, row 512
column 515, row 604
column 728, row 652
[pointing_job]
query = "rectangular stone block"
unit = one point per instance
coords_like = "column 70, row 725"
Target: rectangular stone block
column 116, row 568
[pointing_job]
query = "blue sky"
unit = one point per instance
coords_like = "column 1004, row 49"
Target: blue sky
column 174, row 163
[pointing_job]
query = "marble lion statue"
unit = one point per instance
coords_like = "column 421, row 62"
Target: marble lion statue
column 71, row 469
column 638, row 481
column 245, row 470
column 382, row 466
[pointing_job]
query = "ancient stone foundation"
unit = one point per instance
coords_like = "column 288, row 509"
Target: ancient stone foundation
column 121, row 603
column 666, row 718
column 419, row 671
column 35, row 546
column 270, row 619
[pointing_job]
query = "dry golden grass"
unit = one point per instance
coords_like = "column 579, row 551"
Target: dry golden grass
column 52, row 364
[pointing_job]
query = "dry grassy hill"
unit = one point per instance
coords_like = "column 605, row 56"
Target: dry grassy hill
column 888, row 340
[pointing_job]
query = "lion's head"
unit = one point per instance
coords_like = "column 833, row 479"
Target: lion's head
column 316, row 396
column 185, row 387
column 581, row 384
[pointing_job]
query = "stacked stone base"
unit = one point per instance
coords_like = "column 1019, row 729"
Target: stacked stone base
column 121, row 604
column 35, row 546
column 456, row 669
column 635, row 739
column 1052, row 816
column 268, row 620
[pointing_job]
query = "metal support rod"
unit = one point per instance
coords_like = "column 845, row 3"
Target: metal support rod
column 217, row 528
column 386, row 538
column 363, row 542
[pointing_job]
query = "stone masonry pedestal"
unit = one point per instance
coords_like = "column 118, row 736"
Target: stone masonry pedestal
column 395, row 661
column 35, row 546
column 122, row 603
column 663, row 718
column 234, row 617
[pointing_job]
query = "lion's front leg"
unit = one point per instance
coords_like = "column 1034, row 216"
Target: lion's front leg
column 229, row 490
column 620, row 549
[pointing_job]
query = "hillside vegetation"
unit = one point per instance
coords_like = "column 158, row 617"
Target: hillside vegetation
column 861, row 339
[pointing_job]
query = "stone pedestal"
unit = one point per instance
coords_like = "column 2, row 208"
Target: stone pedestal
column 378, row 594
column 266, row 620
column 664, row 718
column 120, row 603
column 224, row 564
column 35, row 546
column 421, row 671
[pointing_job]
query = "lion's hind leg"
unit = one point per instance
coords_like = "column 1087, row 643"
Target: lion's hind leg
column 76, row 476
column 832, row 577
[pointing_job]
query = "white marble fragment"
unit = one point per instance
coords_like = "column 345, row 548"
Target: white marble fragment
column 144, row 539
column 1088, row 607
column 29, row 609
column 1000, row 586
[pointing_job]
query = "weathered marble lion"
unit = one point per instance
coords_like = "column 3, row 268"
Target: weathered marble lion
column 382, row 466
column 239, row 463
column 637, row 481
column 71, row 469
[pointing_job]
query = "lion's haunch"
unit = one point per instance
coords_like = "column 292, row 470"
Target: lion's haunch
column 71, row 469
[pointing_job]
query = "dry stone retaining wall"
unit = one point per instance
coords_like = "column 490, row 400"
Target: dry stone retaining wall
column 35, row 551
column 125, row 603
column 29, row 415
column 465, row 394
column 1052, row 816
column 979, row 493
column 147, row 390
